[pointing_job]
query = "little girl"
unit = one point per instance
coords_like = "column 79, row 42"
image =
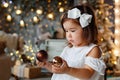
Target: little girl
column 82, row 56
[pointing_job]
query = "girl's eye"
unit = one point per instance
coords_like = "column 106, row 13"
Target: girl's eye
column 66, row 31
column 73, row 30
column 70, row 30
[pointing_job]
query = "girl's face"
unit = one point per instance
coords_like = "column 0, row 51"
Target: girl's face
column 74, row 33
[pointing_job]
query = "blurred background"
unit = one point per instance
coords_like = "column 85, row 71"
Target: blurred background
column 27, row 26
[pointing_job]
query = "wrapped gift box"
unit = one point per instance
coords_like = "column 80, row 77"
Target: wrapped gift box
column 32, row 72
column 26, row 72
column 117, row 73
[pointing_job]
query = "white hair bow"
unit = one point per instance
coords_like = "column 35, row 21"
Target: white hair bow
column 84, row 19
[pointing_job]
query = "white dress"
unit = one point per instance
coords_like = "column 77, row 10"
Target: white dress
column 76, row 57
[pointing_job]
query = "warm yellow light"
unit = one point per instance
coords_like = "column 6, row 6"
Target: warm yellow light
column 35, row 19
column 5, row 5
column 115, row 62
column 61, row 9
column 9, row 18
column 106, row 19
column 39, row 11
column 18, row 11
column 116, row 52
column 117, row 21
column 100, row 12
column 22, row 23
column 60, row 3
column 116, row 42
column 32, row 51
column 101, row 39
column 21, row 60
column 32, row 58
column 50, row 16
column 28, row 57
column 116, row 1
column 116, row 11
column 11, row 54
column 17, row 52
column 117, row 31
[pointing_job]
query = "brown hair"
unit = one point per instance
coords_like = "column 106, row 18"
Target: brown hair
column 90, row 32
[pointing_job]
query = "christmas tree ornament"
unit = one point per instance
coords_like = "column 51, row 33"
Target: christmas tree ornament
column 42, row 55
column 57, row 61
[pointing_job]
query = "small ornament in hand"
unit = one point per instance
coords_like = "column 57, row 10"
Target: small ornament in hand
column 42, row 56
column 57, row 61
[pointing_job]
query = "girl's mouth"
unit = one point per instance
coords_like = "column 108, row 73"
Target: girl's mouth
column 71, row 40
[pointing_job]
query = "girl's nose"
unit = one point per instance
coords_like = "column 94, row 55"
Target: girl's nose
column 69, row 35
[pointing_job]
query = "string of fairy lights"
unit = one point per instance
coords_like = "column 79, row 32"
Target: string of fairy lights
column 22, row 13
column 117, row 28
column 23, row 16
column 39, row 11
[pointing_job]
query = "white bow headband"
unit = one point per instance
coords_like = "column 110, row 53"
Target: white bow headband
column 84, row 19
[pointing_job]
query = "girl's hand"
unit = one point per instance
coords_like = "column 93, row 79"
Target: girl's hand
column 40, row 64
column 64, row 68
